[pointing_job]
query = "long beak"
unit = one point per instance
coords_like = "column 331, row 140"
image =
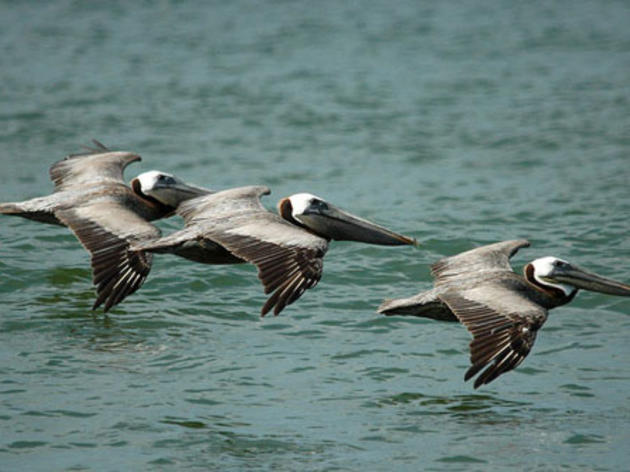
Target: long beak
column 583, row 279
column 339, row 225
column 190, row 191
column 174, row 194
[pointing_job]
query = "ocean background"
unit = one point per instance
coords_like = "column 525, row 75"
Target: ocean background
column 459, row 123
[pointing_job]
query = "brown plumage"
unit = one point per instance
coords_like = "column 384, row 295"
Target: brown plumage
column 289, row 259
column 232, row 226
column 502, row 310
column 105, row 214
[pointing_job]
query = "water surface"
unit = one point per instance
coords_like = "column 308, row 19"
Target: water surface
column 460, row 124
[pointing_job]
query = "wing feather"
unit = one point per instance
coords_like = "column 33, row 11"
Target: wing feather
column 232, row 202
column 96, row 167
column 289, row 259
column 287, row 271
column 503, row 324
column 107, row 229
column 490, row 258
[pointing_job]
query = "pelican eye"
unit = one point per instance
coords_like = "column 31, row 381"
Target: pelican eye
column 560, row 264
column 166, row 179
column 319, row 205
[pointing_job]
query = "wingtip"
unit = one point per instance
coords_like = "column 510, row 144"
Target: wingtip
column 98, row 302
column 472, row 371
column 9, row 208
column 478, row 381
column 265, row 309
column 263, row 312
column 95, row 147
column 100, row 145
column 382, row 308
column 398, row 306
column 272, row 303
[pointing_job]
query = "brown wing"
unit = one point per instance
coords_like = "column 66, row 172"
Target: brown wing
column 289, row 259
column 232, row 203
column 503, row 332
column 424, row 304
column 97, row 166
column 106, row 228
column 490, row 258
column 287, row 271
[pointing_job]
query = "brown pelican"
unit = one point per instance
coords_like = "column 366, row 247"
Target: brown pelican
column 501, row 309
column 106, row 215
column 232, row 226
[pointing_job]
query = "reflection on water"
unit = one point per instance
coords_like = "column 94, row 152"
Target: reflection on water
column 480, row 409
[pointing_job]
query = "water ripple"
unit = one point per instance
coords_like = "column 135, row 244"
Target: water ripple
column 458, row 124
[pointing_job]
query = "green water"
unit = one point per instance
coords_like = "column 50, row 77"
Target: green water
column 459, row 123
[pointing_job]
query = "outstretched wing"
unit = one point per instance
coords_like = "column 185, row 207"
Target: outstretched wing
column 289, row 259
column 490, row 258
column 107, row 228
column 97, row 166
column 503, row 324
column 285, row 269
column 234, row 202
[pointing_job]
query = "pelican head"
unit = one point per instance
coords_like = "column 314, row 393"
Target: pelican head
column 562, row 275
column 165, row 188
column 330, row 222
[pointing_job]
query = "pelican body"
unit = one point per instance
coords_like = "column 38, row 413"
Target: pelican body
column 502, row 310
column 232, row 227
column 106, row 215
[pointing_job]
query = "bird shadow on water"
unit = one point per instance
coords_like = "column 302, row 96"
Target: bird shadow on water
column 69, row 314
column 466, row 408
column 222, row 440
column 62, row 276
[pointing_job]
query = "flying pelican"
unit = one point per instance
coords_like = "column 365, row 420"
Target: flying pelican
column 502, row 310
column 106, row 215
column 232, row 226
